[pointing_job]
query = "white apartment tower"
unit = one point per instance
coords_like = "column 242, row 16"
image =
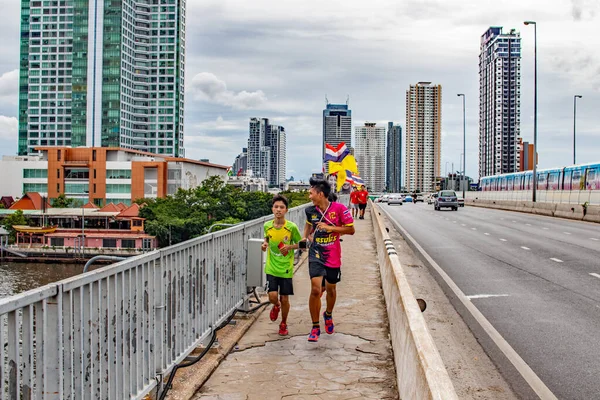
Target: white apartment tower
column 369, row 150
column 267, row 151
column 499, row 102
column 423, row 136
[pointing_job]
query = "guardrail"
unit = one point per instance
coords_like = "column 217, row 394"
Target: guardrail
column 113, row 333
column 420, row 371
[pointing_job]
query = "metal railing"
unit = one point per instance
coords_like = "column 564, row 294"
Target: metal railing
column 115, row 332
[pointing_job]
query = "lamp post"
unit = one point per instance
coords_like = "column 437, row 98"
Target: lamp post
column 577, row 96
column 464, row 144
column 535, row 148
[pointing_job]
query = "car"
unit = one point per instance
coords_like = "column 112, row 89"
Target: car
column 408, row 199
column 431, row 198
column 461, row 201
column 395, row 199
column 446, row 199
column 420, row 198
column 385, row 198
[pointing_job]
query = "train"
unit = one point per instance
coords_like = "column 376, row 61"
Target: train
column 582, row 177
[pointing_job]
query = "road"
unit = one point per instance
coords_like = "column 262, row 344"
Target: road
column 535, row 278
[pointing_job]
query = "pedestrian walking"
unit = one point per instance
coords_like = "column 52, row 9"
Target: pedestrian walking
column 281, row 239
column 362, row 196
column 354, row 202
column 326, row 221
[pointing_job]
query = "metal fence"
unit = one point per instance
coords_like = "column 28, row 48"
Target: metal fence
column 113, row 333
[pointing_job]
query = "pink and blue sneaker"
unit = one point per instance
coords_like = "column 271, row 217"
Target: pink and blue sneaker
column 328, row 323
column 314, row 335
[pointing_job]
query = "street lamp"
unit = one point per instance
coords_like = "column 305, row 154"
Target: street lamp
column 535, row 148
column 464, row 143
column 577, row 96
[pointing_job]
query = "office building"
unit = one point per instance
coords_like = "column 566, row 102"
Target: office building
column 370, row 155
column 499, row 102
column 393, row 162
column 240, row 164
column 423, row 136
column 101, row 175
column 337, row 126
column 102, row 74
column 525, row 155
column 267, row 151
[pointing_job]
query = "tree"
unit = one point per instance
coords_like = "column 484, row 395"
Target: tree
column 17, row 218
column 62, row 201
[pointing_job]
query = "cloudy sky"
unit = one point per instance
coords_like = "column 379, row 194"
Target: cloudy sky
column 280, row 59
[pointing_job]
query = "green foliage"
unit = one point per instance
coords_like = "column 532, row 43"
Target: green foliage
column 17, row 218
column 62, row 201
column 296, row 199
column 190, row 213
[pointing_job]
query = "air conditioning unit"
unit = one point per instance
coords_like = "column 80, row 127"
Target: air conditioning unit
column 255, row 262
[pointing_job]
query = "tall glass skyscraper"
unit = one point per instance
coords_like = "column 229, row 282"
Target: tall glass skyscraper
column 104, row 73
column 499, row 102
column 337, row 125
column 393, row 162
column 267, row 151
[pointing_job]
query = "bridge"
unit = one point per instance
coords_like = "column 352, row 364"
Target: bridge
column 527, row 286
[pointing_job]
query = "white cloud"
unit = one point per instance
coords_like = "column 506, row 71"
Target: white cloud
column 9, row 128
column 9, row 87
column 207, row 87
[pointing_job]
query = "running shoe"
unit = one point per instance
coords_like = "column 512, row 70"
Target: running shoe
column 283, row 330
column 314, row 335
column 274, row 313
column 328, row 324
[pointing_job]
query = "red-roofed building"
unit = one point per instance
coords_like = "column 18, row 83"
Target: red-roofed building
column 7, row 201
column 30, row 201
column 91, row 205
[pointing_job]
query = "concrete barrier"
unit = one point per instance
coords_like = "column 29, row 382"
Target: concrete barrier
column 544, row 208
column 420, row 371
column 592, row 214
column 571, row 211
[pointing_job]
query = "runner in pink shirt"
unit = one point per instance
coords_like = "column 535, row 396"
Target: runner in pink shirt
column 325, row 222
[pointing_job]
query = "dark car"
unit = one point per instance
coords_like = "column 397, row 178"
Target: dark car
column 446, row 199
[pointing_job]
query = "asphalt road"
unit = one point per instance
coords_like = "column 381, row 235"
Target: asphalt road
column 535, row 278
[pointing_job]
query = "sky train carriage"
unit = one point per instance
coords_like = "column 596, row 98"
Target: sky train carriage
column 575, row 177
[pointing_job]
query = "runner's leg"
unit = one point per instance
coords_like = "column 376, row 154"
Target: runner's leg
column 331, row 296
column 285, row 308
column 314, row 300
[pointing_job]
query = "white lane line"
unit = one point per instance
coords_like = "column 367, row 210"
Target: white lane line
column 485, row 296
column 596, row 275
column 454, row 221
column 528, row 224
column 462, row 224
column 474, row 229
column 556, row 259
column 515, row 221
column 594, row 239
column 525, row 248
column 567, row 233
column 546, row 229
column 503, row 240
column 486, row 234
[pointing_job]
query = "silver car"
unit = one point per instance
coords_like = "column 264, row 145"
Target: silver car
column 446, row 199
column 395, row 199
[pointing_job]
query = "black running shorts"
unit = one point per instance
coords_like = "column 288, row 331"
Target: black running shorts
column 284, row 286
column 332, row 275
column 362, row 206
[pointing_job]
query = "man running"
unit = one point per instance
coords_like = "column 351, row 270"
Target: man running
column 325, row 222
column 362, row 196
column 281, row 239
column 354, row 201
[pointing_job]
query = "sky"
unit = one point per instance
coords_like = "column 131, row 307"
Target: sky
column 281, row 60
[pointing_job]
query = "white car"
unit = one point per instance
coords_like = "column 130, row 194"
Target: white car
column 395, row 199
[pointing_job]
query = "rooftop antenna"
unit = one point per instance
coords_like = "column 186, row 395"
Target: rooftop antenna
column 326, row 101
column 348, row 100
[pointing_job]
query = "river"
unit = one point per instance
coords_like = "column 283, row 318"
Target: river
column 20, row 277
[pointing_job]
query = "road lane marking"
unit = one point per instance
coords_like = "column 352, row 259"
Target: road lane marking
column 515, row 221
column 474, row 229
column 454, row 221
column 556, row 259
column 567, row 233
column 528, row 224
column 594, row 239
column 503, row 240
column 463, row 224
column 545, row 229
column 525, row 248
column 596, row 275
column 486, row 234
column 485, row 296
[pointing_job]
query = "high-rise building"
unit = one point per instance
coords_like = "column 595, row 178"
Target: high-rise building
column 240, row 164
column 337, row 125
column 526, row 157
column 423, row 136
column 499, row 102
column 97, row 73
column 369, row 151
column 267, row 151
column 393, row 162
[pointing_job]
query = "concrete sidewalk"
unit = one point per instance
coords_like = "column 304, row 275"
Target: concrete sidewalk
column 355, row 362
